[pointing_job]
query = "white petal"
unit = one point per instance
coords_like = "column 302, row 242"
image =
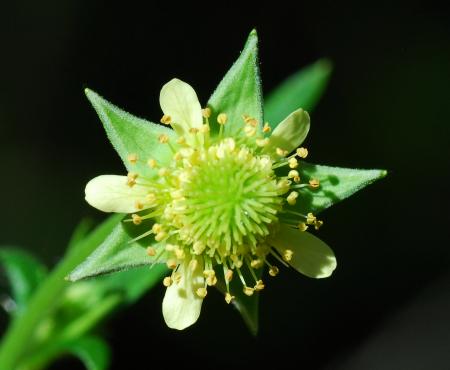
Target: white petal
column 179, row 101
column 181, row 305
column 110, row 193
column 312, row 257
column 291, row 132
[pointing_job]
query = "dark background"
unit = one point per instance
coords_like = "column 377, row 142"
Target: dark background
column 387, row 106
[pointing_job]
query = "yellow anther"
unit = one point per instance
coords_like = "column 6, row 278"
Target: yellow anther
column 283, row 186
column 237, row 262
column 206, row 112
column 259, row 285
column 293, row 174
column 202, row 292
column 150, row 197
column 151, row 251
column 172, row 264
column 274, row 270
column 302, row 226
column 287, row 255
column 249, row 131
column 207, row 273
column 193, row 265
column 318, row 224
column 166, row 119
column 256, row 264
column 198, row 247
column 310, row 218
column 292, row 198
column 177, row 156
column 211, row 280
column 314, row 183
column 151, row 163
column 138, row 205
column 293, row 163
column 229, row 275
column 133, row 158
column 176, row 276
column 266, row 128
column 181, row 140
column 131, row 178
column 156, row 228
column 248, row 291
column 229, row 298
column 262, row 142
column 204, row 129
column 281, row 152
column 251, row 121
column 167, row 282
column 163, row 172
column 160, row 236
column 302, row 152
column 179, row 253
column 222, row 119
column 137, row 220
column 163, row 139
column 193, row 130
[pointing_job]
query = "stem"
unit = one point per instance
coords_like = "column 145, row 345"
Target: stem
column 14, row 342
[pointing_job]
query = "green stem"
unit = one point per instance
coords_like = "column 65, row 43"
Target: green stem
column 15, row 340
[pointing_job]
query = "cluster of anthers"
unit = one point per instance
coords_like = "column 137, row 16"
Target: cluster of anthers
column 219, row 201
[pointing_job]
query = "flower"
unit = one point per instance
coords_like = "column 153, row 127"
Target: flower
column 221, row 209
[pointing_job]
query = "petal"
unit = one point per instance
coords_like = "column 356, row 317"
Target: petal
column 181, row 305
column 179, row 101
column 312, row 257
column 110, row 193
column 291, row 132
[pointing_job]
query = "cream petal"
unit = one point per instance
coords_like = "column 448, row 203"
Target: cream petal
column 110, row 193
column 291, row 132
column 179, row 101
column 311, row 256
column 181, row 306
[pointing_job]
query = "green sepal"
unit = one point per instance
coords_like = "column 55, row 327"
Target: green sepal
column 301, row 90
column 24, row 273
column 132, row 135
column 336, row 184
column 247, row 306
column 118, row 252
column 239, row 92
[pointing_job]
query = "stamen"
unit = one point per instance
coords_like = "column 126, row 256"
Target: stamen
column 229, row 298
column 248, row 291
column 266, row 128
column 273, row 271
column 287, row 255
column 151, row 251
column 166, row 119
column 292, row 198
column 259, row 285
column 222, row 119
column 206, row 112
column 163, row 139
column 310, row 218
column 293, row 163
column 302, row 226
column 314, row 183
column 302, row 152
column 133, row 158
column 151, row 163
column 137, row 220
column 202, row 292
column 167, row 282
column 172, row 264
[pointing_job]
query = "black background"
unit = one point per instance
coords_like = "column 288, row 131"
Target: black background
column 387, row 106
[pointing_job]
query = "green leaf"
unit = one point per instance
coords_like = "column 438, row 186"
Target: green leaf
column 116, row 253
column 80, row 232
column 248, row 307
column 92, row 351
column 301, row 90
column 239, row 92
column 24, row 273
column 131, row 135
column 336, row 184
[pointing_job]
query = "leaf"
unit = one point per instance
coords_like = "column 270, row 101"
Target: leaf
column 336, row 184
column 301, row 90
column 248, row 307
column 24, row 273
column 116, row 253
column 92, row 351
column 131, row 135
column 239, row 92
column 79, row 233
